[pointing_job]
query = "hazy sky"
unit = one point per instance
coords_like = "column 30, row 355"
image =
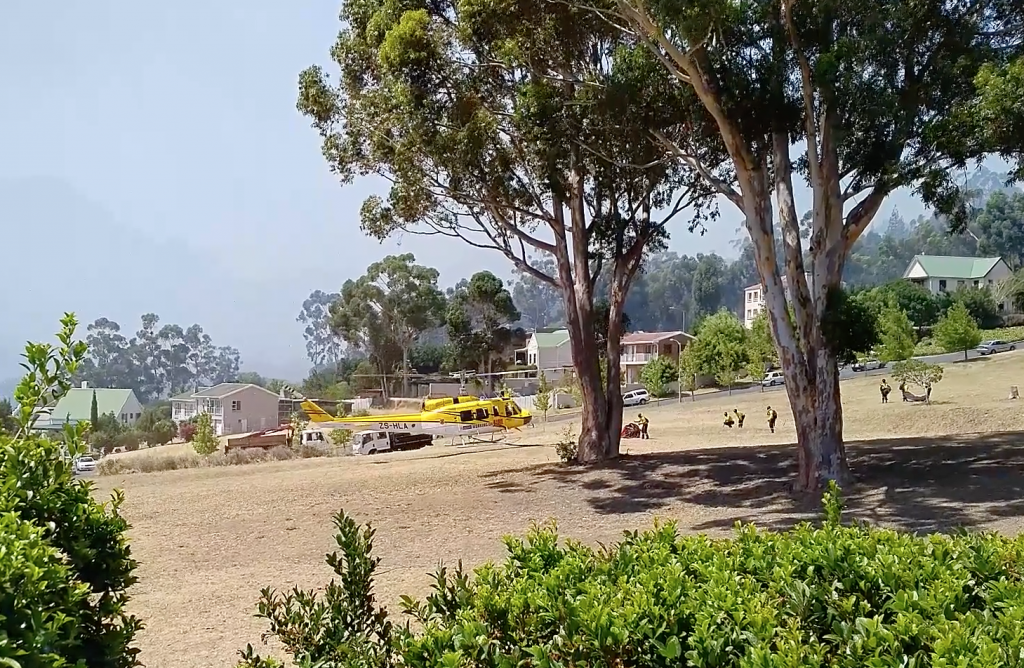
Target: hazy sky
column 161, row 142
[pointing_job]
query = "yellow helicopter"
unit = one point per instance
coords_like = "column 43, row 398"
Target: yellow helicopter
column 464, row 415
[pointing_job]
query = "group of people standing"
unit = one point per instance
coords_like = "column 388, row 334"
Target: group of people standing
column 884, row 389
column 736, row 418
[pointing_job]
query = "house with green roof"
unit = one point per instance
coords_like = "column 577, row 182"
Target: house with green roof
column 947, row 273
column 550, row 352
column 76, row 406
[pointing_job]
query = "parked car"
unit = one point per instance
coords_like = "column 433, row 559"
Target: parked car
column 990, row 347
column 868, row 365
column 85, row 464
column 636, row 398
column 774, row 378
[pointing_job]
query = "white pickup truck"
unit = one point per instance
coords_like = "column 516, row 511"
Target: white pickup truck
column 371, row 442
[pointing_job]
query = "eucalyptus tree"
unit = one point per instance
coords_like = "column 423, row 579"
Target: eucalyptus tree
column 386, row 310
column 519, row 127
column 864, row 89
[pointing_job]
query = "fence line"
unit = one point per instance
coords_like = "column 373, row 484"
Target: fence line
column 526, row 402
column 361, row 404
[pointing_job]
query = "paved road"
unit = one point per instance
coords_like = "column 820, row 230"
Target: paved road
column 845, row 374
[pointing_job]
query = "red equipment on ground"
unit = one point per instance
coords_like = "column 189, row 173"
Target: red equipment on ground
column 631, row 430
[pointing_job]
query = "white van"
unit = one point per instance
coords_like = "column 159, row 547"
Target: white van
column 773, row 378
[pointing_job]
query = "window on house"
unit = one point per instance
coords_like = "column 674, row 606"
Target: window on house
column 942, row 285
column 975, row 283
column 959, row 284
column 236, row 405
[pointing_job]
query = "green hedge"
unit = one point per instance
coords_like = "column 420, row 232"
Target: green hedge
column 837, row 595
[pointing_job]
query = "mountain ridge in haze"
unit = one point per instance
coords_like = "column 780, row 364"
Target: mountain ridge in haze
column 67, row 268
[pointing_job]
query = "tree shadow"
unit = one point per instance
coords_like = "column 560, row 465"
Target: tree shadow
column 917, row 484
column 970, row 360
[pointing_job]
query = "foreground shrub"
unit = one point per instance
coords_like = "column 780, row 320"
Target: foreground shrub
column 830, row 596
column 204, row 441
column 65, row 565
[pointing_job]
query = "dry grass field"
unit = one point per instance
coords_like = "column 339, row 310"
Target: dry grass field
column 208, row 539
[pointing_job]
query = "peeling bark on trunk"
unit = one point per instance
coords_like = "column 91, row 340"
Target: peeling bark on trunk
column 819, row 425
column 810, row 368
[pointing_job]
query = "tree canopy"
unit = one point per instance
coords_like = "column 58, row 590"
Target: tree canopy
column 383, row 312
column 479, row 322
column 957, row 331
column 323, row 346
column 522, row 129
column 156, row 361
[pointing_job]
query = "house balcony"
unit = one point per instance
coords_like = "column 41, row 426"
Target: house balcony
column 636, row 358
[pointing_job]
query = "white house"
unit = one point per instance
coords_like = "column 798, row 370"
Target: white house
column 947, row 273
column 549, row 352
column 639, row 348
column 234, row 408
column 753, row 299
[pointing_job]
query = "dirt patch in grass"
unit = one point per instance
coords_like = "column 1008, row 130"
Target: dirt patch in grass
column 208, row 539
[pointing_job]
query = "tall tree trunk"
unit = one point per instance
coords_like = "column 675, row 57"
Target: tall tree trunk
column 595, row 443
column 819, row 427
column 811, row 371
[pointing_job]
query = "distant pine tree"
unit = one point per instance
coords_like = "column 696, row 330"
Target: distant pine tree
column 94, row 412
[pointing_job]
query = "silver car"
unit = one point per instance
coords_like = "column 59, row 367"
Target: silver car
column 868, row 365
column 990, row 347
column 85, row 464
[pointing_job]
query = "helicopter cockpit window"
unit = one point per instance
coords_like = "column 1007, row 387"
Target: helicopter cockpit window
column 494, row 411
column 466, row 416
column 508, row 410
column 481, row 414
column 515, row 409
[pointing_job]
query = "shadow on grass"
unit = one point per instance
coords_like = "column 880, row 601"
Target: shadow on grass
column 915, row 484
column 971, row 360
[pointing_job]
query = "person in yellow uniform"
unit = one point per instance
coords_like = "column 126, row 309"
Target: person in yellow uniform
column 772, row 417
column 643, row 422
column 739, row 417
column 728, row 422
